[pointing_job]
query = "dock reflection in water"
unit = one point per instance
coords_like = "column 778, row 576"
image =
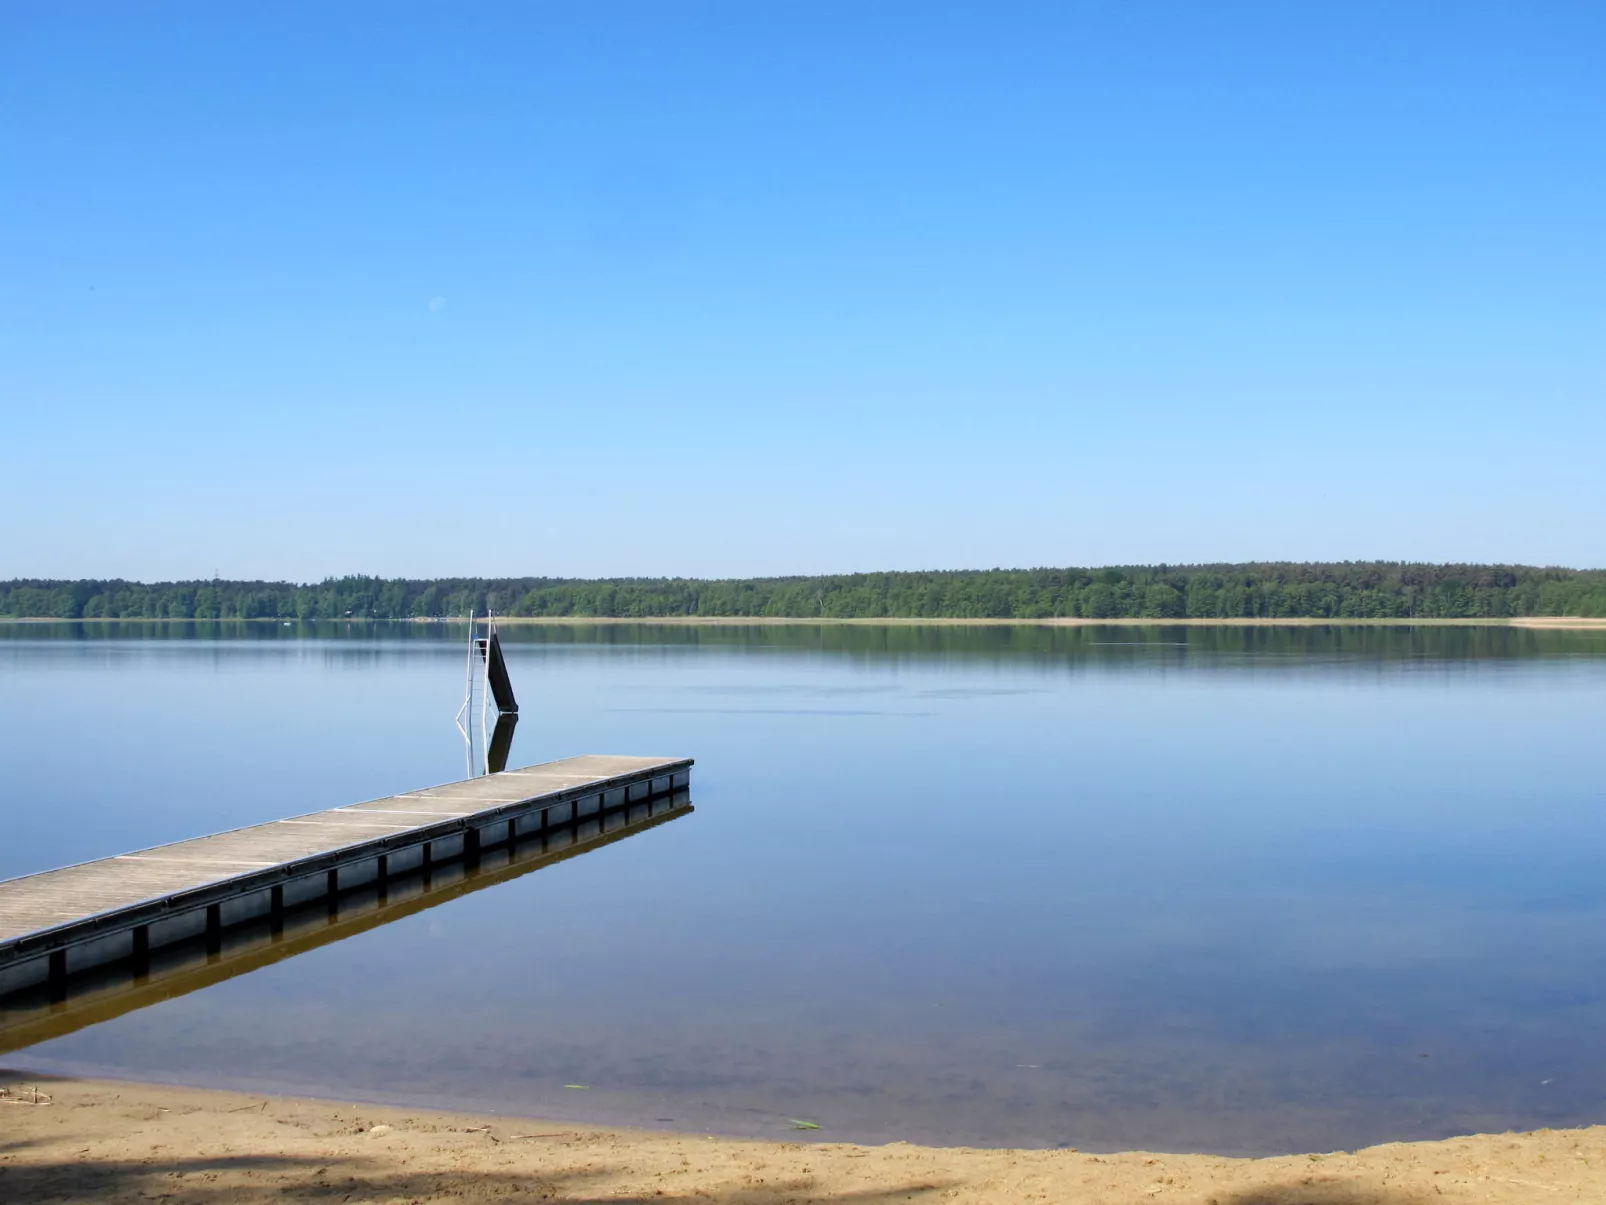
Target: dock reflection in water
column 33, row 1016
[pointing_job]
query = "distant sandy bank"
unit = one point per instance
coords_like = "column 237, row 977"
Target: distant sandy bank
column 1536, row 621
column 100, row 1141
column 740, row 621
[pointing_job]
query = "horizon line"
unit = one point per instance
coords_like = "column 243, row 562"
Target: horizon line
column 1154, row 566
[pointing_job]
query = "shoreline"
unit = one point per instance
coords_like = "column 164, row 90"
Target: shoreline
column 1556, row 622
column 107, row 1140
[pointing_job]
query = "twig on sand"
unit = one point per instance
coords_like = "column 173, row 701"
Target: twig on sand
column 6, row 1098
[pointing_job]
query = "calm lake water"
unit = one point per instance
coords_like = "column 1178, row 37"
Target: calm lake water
column 1228, row 889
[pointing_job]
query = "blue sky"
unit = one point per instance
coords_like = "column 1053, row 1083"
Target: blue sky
column 747, row 288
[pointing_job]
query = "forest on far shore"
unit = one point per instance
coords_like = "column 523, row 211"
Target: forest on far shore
column 1347, row 590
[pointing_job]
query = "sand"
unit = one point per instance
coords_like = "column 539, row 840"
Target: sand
column 85, row 1140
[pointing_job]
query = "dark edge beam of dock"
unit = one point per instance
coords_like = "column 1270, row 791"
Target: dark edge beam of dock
column 130, row 933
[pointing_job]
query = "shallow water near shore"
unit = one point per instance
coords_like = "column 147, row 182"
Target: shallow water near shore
column 1242, row 890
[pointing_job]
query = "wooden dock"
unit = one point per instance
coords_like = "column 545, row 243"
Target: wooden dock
column 37, row 1014
column 126, row 909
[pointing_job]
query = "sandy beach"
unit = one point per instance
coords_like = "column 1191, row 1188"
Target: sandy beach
column 88, row 1140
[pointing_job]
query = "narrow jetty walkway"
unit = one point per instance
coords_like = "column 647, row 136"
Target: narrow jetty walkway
column 121, row 909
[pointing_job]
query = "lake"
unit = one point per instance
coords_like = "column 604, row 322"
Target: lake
column 1230, row 889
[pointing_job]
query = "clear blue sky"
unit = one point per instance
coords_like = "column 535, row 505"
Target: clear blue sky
column 741, row 288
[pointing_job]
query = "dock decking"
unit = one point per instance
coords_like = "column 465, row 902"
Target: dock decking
column 121, row 909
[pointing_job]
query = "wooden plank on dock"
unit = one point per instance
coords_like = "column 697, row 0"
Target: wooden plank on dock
column 96, row 895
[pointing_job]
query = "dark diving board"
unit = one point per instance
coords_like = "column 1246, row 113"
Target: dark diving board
column 496, row 672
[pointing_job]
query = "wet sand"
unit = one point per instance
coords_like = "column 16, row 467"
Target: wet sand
column 103, row 1141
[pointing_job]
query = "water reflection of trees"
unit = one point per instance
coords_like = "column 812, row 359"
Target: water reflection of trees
column 1111, row 644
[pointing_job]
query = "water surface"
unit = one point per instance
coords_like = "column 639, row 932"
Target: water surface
column 1228, row 889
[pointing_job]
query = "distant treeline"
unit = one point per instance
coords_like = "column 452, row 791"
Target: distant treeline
column 1351, row 590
